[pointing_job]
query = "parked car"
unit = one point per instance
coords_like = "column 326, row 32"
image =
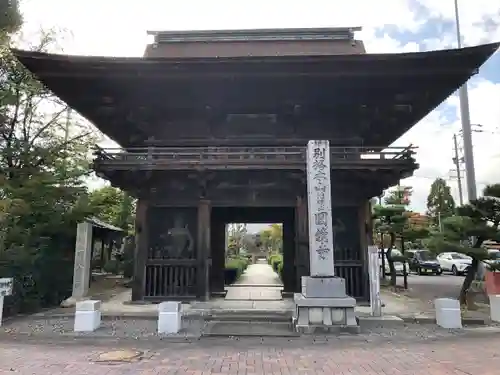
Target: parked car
column 423, row 262
column 454, row 262
column 397, row 265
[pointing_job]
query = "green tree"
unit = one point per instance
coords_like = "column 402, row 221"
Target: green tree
column 440, row 203
column 392, row 225
column 10, row 16
column 465, row 233
column 44, row 160
column 390, row 221
column 272, row 238
column 113, row 206
column 43, row 154
column 236, row 238
column 400, row 195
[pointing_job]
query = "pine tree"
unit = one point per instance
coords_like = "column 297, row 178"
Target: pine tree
column 440, row 203
column 466, row 232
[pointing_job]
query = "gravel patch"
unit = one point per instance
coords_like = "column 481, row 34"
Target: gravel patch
column 193, row 329
column 110, row 328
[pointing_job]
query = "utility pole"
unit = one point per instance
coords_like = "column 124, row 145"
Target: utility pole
column 470, row 172
column 456, row 161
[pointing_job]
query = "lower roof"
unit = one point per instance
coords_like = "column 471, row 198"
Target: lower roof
column 375, row 96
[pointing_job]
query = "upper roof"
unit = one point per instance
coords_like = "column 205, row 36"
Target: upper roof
column 255, row 42
column 377, row 97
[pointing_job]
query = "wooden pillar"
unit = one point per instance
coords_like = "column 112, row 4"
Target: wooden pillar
column 289, row 254
column 141, row 250
column 203, row 250
column 218, row 251
column 302, row 241
column 366, row 239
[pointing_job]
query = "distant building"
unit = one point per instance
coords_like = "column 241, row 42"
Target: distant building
column 418, row 220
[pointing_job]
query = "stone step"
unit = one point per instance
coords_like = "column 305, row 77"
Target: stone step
column 253, row 329
column 250, row 316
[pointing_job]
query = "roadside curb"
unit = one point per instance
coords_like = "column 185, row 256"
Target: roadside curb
column 97, row 340
column 428, row 319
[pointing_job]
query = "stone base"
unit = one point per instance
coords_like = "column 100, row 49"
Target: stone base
column 71, row 302
column 323, row 287
column 87, row 316
column 324, row 307
column 321, row 329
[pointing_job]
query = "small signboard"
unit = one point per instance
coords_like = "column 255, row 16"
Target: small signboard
column 6, row 286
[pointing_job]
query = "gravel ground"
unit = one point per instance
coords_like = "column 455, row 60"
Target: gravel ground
column 144, row 329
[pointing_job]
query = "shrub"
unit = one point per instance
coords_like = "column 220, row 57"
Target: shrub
column 280, row 270
column 234, row 269
column 113, row 266
column 42, row 278
column 127, row 265
column 274, row 261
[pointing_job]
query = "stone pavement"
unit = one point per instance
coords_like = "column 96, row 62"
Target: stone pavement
column 455, row 355
column 258, row 283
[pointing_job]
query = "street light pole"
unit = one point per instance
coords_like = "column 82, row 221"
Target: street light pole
column 470, row 172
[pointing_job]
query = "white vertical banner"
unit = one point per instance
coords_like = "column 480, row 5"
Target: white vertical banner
column 374, row 274
column 320, row 209
column 6, row 289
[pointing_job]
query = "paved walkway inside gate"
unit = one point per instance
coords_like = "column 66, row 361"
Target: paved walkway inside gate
column 258, row 283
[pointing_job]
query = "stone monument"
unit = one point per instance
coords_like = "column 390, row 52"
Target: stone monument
column 323, row 305
column 81, row 272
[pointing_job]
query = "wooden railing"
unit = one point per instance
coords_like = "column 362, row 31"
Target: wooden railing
column 165, row 157
column 169, row 280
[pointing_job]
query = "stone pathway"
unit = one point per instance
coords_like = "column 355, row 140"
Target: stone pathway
column 258, row 283
column 344, row 355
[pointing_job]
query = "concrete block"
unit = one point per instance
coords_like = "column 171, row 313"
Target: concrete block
column 88, row 305
column 323, row 287
column 495, row 307
column 170, row 307
column 316, row 315
column 169, row 317
column 338, row 316
column 87, row 321
column 301, row 300
column 448, row 313
column 87, row 316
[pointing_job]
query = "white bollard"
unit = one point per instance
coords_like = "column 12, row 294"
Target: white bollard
column 87, row 316
column 495, row 307
column 448, row 313
column 169, row 317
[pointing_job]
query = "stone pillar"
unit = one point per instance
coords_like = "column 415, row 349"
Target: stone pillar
column 141, row 249
column 203, row 249
column 323, row 304
column 83, row 258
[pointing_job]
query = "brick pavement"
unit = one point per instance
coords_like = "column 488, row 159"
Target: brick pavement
column 460, row 355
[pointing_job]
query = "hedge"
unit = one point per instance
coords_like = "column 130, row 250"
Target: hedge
column 274, row 261
column 42, row 278
column 234, row 269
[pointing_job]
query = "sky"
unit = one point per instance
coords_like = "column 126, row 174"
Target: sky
column 118, row 28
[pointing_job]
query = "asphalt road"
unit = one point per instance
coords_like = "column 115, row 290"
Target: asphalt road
column 430, row 287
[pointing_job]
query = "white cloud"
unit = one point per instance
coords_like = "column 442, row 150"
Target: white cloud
column 118, row 28
column 479, row 19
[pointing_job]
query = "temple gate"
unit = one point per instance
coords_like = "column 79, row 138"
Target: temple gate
column 213, row 127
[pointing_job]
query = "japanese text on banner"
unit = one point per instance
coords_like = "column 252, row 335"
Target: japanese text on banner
column 321, row 216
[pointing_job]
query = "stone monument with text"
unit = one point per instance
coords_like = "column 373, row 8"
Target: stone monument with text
column 82, row 265
column 322, row 304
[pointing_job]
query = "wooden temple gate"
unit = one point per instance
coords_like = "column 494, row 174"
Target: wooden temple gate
column 180, row 248
column 211, row 119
